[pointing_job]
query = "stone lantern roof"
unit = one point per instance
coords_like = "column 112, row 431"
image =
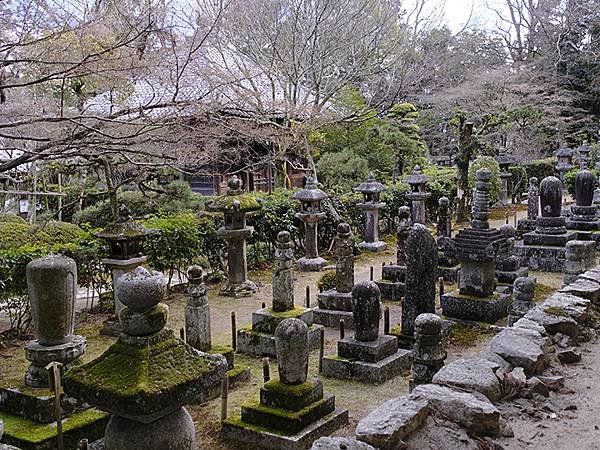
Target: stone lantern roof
column 564, row 151
column 417, row 177
column 370, row 186
column 311, row 192
column 125, row 228
column 504, row 159
column 236, row 199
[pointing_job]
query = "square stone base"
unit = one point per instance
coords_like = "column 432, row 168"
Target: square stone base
column 534, row 238
column 391, row 291
column 266, row 320
column 488, row 309
column 236, row 430
column 378, row 246
column 366, row 372
column 372, row 351
column 590, row 236
column 255, row 343
column 310, row 264
column 449, row 274
column 331, row 318
column 30, row 435
column 36, row 404
column 506, row 277
column 333, row 307
column 332, row 299
column 581, row 225
column 541, row 257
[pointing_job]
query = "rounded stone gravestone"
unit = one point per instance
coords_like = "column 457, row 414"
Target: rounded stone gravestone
column 52, row 285
column 551, row 197
column 291, row 344
column 366, row 310
column 585, row 183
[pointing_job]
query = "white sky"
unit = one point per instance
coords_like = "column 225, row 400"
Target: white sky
column 458, row 12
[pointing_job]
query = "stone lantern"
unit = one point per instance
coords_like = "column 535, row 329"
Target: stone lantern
column 417, row 196
column 310, row 198
column 371, row 204
column 584, row 154
column 565, row 161
column 235, row 205
column 504, row 161
column 124, row 237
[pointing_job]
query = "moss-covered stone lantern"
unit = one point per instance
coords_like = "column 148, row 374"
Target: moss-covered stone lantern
column 235, row 205
column 124, row 237
column 371, row 204
column 417, row 181
column 504, row 161
column 584, row 151
column 310, row 198
column 565, row 161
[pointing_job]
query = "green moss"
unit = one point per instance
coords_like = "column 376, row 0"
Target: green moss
column 291, row 314
column 553, row 310
column 294, row 390
column 247, row 203
column 238, row 422
column 464, row 335
column 542, row 292
column 284, row 413
column 457, row 294
column 327, row 280
column 34, row 432
column 221, row 349
column 396, row 330
column 236, row 371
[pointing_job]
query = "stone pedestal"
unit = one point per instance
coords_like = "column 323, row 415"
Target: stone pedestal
column 336, row 304
column 368, row 356
column 118, row 267
column 146, row 377
column 293, row 411
column 579, row 257
column 584, row 212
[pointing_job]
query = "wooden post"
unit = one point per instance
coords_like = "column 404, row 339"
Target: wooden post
column 54, row 377
column 506, row 217
column 515, row 219
column 83, row 444
column 371, row 273
column 308, row 296
column 182, row 334
column 386, row 320
column 342, row 331
column 224, row 395
column 264, row 305
column 321, row 348
column 233, row 331
column 441, row 283
column 60, row 205
column 266, row 371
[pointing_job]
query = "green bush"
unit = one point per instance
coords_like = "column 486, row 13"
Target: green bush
column 12, row 218
column 487, row 162
column 326, row 281
column 14, row 234
column 342, row 170
column 58, row 232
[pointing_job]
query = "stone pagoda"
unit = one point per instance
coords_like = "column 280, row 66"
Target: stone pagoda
column 447, row 267
column 369, row 357
column 544, row 248
column 584, row 213
column 259, row 338
column 148, row 375
column 504, row 161
column 478, row 248
column 310, row 198
column 393, row 276
column 124, row 237
column 565, row 161
column 417, row 196
column 235, row 206
column 336, row 304
column 293, row 411
column 29, row 408
column 198, row 332
column 533, row 207
column 371, row 204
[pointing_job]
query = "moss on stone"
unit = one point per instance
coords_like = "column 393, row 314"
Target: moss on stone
column 34, row 432
column 236, row 371
column 221, row 349
column 293, row 390
column 554, row 311
column 396, row 330
column 237, row 421
column 542, row 292
column 464, row 335
column 291, row 314
column 494, row 297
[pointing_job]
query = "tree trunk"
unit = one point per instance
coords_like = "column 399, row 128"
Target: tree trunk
column 465, row 150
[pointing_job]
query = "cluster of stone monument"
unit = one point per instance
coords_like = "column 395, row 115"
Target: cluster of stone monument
column 137, row 389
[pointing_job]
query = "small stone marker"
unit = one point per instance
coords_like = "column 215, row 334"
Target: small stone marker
column 366, row 310
column 283, row 275
column 197, row 311
column 291, row 343
column 523, row 294
column 428, row 354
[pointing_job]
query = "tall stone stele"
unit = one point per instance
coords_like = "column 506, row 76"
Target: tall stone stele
column 421, row 271
column 504, row 161
column 235, row 206
column 369, row 357
column 371, row 204
column 124, row 236
column 533, row 207
column 478, row 248
column 448, row 267
column 197, row 311
column 584, row 213
column 428, row 354
column 393, row 276
column 259, row 340
column 336, row 304
column 146, row 377
column 52, row 285
column 544, row 248
column 310, row 199
column 417, row 195
column 565, row 160
column 292, row 411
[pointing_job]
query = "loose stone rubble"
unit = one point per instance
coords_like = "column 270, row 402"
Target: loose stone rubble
column 392, row 285
column 259, row 338
column 368, row 357
column 293, row 411
column 336, row 304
